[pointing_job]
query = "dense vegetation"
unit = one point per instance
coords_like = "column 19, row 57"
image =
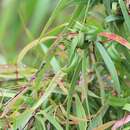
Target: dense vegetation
column 65, row 64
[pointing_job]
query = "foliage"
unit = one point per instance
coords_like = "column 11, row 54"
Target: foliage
column 80, row 76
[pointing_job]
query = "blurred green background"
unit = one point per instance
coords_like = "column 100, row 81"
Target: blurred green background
column 21, row 22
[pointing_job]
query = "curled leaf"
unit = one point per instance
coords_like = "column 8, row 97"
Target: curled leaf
column 31, row 45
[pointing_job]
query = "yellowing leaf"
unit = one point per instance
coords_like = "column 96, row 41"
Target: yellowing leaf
column 105, row 126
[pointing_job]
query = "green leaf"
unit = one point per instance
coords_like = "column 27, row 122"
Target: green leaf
column 52, row 120
column 21, row 121
column 56, row 11
column 126, row 107
column 54, row 62
column 112, row 18
column 49, row 89
column 39, row 15
column 117, row 101
column 40, row 123
column 80, row 112
column 92, row 94
column 98, row 120
column 127, row 128
column 71, row 90
column 110, row 66
column 125, row 13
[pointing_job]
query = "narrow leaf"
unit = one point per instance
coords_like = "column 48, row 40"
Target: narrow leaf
column 105, row 126
column 80, row 113
column 125, row 13
column 110, row 66
column 52, row 120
